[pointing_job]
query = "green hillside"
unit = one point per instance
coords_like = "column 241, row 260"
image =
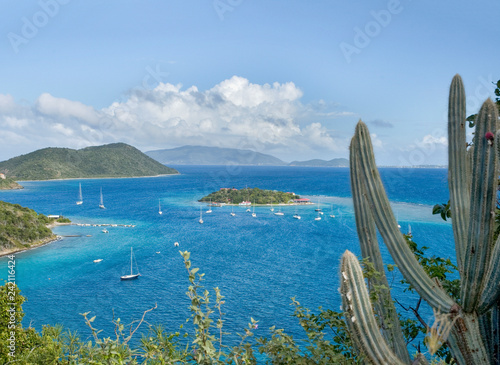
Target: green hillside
column 112, row 160
column 22, row 227
column 8, row 184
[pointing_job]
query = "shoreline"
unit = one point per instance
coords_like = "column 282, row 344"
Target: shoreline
column 55, row 237
column 95, row 178
column 55, row 224
column 46, row 241
column 256, row 205
column 38, row 244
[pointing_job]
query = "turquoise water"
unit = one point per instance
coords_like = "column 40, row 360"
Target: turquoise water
column 258, row 263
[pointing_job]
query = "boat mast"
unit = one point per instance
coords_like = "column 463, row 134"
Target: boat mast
column 131, row 272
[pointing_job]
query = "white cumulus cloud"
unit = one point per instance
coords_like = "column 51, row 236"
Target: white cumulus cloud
column 236, row 113
column 430, row 139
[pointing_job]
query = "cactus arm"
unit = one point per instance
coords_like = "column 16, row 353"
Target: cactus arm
column 457, row 167
column 383, row 305
column 470, row 155
column 489, row 327
column 491, row 291
column 435, row 296
column 482, row 207
column 359, row 315
column 457, row 355
column 466, row 341
column 495, row 334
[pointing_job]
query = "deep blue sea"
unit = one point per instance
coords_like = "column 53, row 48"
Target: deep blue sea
column 258, row 263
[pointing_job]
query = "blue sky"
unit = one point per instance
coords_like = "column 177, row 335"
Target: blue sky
column 290, row 78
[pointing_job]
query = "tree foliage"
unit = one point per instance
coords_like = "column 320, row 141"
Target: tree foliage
column 21, row 227
column 254, row 195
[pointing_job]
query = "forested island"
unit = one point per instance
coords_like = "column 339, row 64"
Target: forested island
column 22, row 228
column 253, row 195
column 112, row 160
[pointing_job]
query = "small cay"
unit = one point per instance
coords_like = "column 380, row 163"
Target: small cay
column 248, row 196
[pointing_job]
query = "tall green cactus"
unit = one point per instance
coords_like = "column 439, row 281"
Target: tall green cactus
column 474, row 337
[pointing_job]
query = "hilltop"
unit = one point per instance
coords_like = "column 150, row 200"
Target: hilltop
column 199, row 155
column 112, row 160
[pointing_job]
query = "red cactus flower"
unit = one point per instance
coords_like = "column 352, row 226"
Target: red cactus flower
column 489, row 136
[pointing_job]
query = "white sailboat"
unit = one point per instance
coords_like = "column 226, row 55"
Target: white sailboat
column 232, row 211
column 253, row 211
column 101, row 204
column 272, row 209
column 201, row 217
column 279, row 212
column 80, row 196
column 318, row 209
column 132, row 275
column 296, row 215
column 332, row 215
column 159, row 207
column 209, row 207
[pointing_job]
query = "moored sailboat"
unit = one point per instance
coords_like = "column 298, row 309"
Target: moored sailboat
column 101, row 204
column 80, row 196
column 331, row 214
column 318, row 218
column 201, row 217
column 296, row 215
column 132, row 275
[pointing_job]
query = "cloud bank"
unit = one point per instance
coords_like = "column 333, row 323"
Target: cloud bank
column 234, row 113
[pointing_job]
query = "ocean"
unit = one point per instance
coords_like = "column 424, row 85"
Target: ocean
column 258, row 263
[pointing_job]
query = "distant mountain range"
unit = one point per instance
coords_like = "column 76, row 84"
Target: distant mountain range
column 198, row 155
column 112, row 160
column 336, row 162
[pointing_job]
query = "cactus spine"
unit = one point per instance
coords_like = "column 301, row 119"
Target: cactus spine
column 472, row 183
